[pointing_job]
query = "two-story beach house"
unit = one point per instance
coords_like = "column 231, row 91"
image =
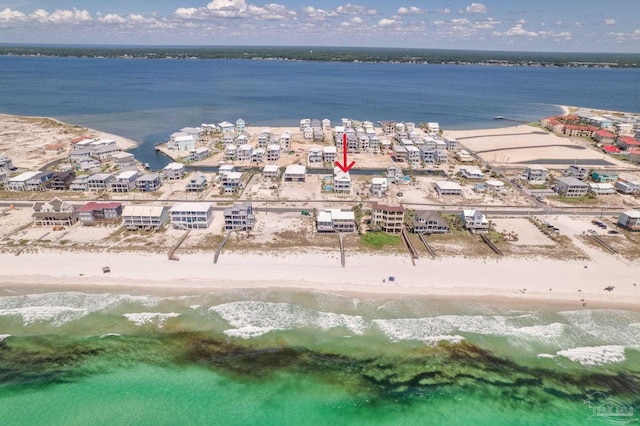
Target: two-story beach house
column 54, row 213
column 144, row 217
column 336, row 220
column 100, row 213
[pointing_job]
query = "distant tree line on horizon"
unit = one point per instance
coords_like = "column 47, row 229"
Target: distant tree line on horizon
column 334, row 54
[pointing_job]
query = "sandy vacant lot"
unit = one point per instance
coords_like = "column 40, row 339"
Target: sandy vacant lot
column 530, row 145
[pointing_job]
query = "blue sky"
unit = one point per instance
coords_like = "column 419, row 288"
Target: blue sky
column 541, row 25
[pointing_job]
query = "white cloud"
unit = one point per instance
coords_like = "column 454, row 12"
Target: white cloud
column 112, row 18
column 445, row 10
column 354, row 9
column 412, row 10
column 11, row 15
column 386, row 22
column 518, row 31
column 474, row 8
column 608, row 22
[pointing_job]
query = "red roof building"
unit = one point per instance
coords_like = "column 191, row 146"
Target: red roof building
column 610, row 149
column 626, row 143
column 97, row 213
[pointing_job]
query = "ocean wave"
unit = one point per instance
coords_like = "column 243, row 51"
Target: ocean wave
column 606, row 326
column 59, row 308
column 426, row 329
column 55, row 315
column 3, row 337
column 253, row 315
column 590, row 356
column 248, row 332
column 141, row 318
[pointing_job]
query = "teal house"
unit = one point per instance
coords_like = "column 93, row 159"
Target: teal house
column 602, row 176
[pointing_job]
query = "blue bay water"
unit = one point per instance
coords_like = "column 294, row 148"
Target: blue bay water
column 147, row 100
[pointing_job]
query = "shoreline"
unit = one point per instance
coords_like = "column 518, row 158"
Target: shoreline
column 517, row 282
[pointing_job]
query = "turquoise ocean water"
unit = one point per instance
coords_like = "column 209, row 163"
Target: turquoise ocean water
column 287, row 357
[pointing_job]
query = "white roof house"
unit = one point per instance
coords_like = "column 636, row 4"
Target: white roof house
column 295, row 173
column 448, row 188
column 471, row 172
column 190, row 215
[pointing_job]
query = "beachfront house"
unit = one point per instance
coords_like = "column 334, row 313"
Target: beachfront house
column 379, row 186
column 474, row 220
column 273, row 153
column 173, row 171
column 197, row 182
column 149, row 182
column 429, row 222
column 54, row 213
column 88, row 165
column 630, row 220
column 239, row 217
column 329, row 154
column 270, row 171
column 100, row 213
column 79, row 155
column 336, row 220
column 341, row 181
column 144, row 217
column 40, row 181
column 571, row 187
column 99, row 181
column 124, row 181
column 295, row 173
column 536, row 173
column 191, row 215
column 448, row 188
column 387, row 218
column 61, row 181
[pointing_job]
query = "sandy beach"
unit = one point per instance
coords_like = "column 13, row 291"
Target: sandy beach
column 534, row 280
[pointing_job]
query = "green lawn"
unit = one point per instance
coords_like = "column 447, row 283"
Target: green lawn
column 378, row 240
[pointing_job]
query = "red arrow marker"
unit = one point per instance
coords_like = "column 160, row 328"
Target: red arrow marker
column 344, row 167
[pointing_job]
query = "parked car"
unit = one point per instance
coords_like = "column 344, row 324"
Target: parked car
column 613, row 231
